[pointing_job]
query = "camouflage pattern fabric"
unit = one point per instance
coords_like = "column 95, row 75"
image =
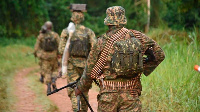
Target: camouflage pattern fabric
column 49, row 69
column 76, row 64
column 115, row 16
column 84, row 107
column 48, row 60
column 41, row 54
column 73, row 74
column 97, row 49
column 107, row 95
column 120, row 101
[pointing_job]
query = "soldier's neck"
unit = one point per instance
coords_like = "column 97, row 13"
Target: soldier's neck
column 113, row 27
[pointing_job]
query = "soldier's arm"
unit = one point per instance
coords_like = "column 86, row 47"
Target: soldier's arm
column 37, row 44
column 63, row 39
column 85, row 82
column 92, row 37
column 154, row 52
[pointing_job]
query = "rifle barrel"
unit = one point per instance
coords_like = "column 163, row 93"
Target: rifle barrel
column 68, row 85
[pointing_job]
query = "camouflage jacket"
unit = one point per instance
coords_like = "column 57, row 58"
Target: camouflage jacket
column 93, row 57
column 40, row 52
column 80, row 30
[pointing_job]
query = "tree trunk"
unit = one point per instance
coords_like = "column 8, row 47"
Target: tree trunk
column 146, row 30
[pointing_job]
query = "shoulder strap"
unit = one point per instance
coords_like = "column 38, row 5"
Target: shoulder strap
column 96, row 71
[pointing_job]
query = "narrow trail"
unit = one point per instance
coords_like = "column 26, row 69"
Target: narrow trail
column 63, row 102
column 26, row 96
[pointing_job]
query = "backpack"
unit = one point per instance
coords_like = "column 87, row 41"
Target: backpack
column 127, row 58
column 79, row 45
column 49, row 43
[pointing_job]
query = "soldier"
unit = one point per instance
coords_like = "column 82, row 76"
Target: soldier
column 81, row 42
column 117, row 62
column 46, row 49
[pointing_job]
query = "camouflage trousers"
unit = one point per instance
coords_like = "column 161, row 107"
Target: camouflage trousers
column 121, row 101
column 49, row 69
column 73, row 74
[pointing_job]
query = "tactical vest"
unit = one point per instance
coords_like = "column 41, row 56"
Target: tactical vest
column 79, row 45
column 127, row 58
column 49, row 43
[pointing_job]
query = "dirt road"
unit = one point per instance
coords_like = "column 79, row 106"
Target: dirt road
column 26, row 96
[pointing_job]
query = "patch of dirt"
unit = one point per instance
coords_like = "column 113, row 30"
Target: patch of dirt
column 25, row 96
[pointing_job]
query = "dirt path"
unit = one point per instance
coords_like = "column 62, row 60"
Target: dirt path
column 63, row 102
column 25, row 96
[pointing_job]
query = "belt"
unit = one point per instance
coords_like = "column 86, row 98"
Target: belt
column 120, row 83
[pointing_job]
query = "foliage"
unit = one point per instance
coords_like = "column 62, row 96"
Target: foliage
column 174, row 85
column 18, row 41
column 25, row 18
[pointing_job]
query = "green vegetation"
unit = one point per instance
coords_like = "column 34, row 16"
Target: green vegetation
column 23, row 19
column 12, row 58
column 174, row 85
column 41, row 98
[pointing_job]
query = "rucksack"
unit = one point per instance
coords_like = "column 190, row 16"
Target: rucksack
column 49, row 43
column 79, row 45
column 127, row 58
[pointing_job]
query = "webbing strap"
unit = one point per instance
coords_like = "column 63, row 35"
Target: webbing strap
column 96, row 71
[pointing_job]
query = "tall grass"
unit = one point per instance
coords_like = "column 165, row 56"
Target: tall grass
column 12, row 58
column 17, row 41
column 174, row 85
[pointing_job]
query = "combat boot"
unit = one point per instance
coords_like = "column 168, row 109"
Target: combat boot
column 54, row 84
column 42, row 79
column 48, row 88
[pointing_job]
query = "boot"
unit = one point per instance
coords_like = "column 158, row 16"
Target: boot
column 48, row 88
column 42, row 79
column 54, row 84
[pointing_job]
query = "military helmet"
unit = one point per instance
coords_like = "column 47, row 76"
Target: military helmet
column 115, row 16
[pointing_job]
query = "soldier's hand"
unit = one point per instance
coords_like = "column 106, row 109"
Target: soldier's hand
column 77, row 91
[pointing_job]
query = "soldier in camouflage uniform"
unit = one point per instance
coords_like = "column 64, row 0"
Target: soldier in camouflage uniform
column 46, row 49
column 81, row 42
column 129, row 57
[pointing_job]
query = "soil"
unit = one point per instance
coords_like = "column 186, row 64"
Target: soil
column 26, row 96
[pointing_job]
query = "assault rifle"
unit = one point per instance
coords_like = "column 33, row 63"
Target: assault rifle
column 73, row 85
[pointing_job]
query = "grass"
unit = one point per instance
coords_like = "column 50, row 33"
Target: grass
column 12, row 58
column 41, row 97
column 174, row 85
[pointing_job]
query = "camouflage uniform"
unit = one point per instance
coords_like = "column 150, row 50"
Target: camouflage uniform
column 48, row 60
column 76, row 64
column 119, row 93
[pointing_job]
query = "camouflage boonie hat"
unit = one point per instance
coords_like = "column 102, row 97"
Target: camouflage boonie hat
column 115, row 16
column 77, row 17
